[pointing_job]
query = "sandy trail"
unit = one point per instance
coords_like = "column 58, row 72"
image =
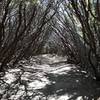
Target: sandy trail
column 48, row 77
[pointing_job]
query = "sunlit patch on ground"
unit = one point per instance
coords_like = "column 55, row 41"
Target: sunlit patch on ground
column 62, row 70
column 64, row 97
column 9, row 78
column 47, row 77
column 37, row 84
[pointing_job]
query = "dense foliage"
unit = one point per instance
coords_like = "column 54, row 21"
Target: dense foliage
column 65, row 27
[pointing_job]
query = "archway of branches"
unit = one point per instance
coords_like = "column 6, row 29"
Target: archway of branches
column 64, row 27
column 35, row 34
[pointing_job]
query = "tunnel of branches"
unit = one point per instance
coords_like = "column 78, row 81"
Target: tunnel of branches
column 64, row 27
column 32, row 31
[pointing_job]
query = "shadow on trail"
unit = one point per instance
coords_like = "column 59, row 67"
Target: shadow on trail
column 48, row 78
column 75, row 84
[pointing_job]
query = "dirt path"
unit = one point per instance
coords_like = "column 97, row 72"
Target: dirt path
column 48, row 77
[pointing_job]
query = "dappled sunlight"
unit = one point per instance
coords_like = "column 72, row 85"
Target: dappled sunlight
column 47, row 81
column 62, row 70
column 49, row 59
column 9, row 78
column 49, row 50
column 37, row 84
column 64, row 97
